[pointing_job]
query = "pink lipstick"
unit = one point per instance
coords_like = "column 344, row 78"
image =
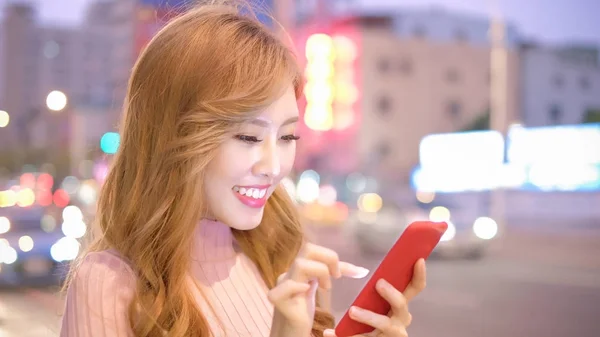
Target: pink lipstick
column 254, row 196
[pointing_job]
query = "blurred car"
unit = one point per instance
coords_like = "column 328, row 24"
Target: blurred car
column 468, row 236
column 34, row 245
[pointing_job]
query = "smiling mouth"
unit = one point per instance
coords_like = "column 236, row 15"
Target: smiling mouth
column 251, row 192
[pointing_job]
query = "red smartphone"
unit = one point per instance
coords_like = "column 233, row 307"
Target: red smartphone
column 417, row 241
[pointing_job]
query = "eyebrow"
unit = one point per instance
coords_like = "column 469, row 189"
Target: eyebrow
column 264, row 123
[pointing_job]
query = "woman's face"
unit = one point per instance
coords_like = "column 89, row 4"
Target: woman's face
column 250, row 164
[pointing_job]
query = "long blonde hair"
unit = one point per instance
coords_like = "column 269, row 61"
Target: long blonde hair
column 203, row 74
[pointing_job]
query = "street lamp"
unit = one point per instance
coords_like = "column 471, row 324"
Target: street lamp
column 4, row 118
column 499, row 114
column 56, row 101
column 58, row 118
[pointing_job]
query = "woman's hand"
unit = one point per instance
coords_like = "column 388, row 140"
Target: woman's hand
column 399, row 318
column 294, row 296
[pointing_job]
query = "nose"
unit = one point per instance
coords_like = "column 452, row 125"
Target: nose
column 269, row 164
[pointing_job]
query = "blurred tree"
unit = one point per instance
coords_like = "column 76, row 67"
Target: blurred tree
column 481, row 122
column 592, row 116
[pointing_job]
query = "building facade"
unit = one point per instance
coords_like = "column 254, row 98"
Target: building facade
column 561, row 85
column 407, row 86
column 19, row 72
column 414, row 87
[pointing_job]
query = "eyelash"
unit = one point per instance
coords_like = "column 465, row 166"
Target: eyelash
column 252, row 139
column 289, row 138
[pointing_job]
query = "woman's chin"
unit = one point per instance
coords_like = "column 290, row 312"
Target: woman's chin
column 247, row 220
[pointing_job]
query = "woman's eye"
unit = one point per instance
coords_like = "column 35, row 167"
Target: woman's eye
column 289, row 138
column 248, row 139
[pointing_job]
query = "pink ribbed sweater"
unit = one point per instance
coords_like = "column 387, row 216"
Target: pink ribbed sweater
column 98, row 298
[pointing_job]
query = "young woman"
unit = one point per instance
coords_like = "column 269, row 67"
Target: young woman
column 195, row 235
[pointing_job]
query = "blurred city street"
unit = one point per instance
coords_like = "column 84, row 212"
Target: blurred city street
column 543, row 285
column 481, row 114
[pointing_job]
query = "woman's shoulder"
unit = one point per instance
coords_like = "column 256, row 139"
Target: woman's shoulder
column 98, row 296
column 106, row 267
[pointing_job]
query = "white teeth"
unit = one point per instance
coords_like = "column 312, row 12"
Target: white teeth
column 251, row 192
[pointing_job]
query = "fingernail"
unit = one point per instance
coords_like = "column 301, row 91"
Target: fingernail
column 329, row 333
column 382, row 284
column 350, row 270
column 361, row 272
column 356, row 311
